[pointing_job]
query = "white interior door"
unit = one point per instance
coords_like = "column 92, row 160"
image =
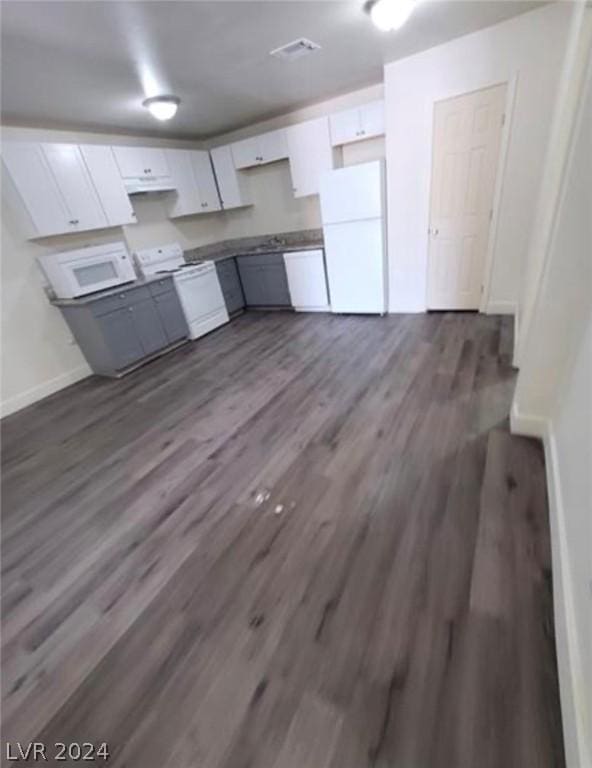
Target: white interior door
column 467, row 134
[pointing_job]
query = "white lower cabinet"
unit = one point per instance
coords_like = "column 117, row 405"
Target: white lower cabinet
column 232, row 185
column 306, row 280
column 195, row 185
column 310, row 155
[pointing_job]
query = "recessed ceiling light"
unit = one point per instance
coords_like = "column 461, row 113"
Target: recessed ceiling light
column 390, row 14
column 162, row 107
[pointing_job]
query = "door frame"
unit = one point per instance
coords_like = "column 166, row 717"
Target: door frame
column 511, row 89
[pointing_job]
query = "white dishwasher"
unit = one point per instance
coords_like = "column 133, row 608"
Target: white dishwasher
column 307, row 281
column 196, row 283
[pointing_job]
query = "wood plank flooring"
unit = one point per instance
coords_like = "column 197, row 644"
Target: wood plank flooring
column 395, row 611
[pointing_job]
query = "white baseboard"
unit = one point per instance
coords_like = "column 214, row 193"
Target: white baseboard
column 22, row 400
column 500, row 308
column 527, row 424
column 569, row 661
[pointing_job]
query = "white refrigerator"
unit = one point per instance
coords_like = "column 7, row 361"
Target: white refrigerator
column 353, row 214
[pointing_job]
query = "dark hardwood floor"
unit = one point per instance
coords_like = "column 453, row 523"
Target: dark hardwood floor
column 394, row 611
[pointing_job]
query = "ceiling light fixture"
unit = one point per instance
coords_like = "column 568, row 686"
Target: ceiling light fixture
column 390, row 14
column 162, row 107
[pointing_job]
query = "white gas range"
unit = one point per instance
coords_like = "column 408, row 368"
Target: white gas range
column 196, row 283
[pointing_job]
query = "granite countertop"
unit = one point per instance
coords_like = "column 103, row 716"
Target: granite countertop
column 90, row 297
column 253, row 246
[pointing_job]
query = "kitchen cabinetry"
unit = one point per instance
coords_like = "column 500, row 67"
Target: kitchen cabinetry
column 193, row 178
column 264, row 282
column 306, row 280
column 61, row 188
column 310, row 155
column 118, row 331
column 231, row 183
column 104, row 173
column 51, row 202
column 258, row 150
column 358, row 123
column 143, row 168
column 230, row 284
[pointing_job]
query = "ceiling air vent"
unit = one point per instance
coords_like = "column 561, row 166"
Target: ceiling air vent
column 295, row 49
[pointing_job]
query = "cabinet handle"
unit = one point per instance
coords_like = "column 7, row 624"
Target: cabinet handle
column 73, row 221
column 147, row 170
column 122, row 295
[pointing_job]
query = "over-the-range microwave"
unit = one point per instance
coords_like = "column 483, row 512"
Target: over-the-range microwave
column 86, row 270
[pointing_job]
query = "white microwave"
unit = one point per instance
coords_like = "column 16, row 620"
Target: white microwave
column 76, row 273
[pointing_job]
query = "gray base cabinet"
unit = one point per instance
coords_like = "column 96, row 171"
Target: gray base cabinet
column 264, row 280
column 231, row 285
column 118, row 331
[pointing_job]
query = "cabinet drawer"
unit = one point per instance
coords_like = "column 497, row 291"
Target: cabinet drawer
column 123, row 298
column 164, row 285
column 261, row 260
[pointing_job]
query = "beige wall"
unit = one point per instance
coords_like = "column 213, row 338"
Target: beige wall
column 526, row 51
column 553, row 400
column 39, row 355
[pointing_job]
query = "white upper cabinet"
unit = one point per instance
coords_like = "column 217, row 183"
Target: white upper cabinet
column 55, row 187
column 257, row 150
column 143, row 168
column 104, row 172
column 245, row 153
column 193, row 178
column 66, row 187
column 35, row 189
column 310, row 154
column 206, row 181
column 358, row 123
column 74, row 182
column 231, row 183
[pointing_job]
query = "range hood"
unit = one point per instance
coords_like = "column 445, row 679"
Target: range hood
column 140, row 185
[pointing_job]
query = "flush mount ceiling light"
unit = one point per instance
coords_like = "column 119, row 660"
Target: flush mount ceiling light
column 162, row 107
column 390, row 14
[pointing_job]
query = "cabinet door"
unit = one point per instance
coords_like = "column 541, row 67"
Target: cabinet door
column 345, row 126
column 108, row 184
column 134, row 162
column 36, row 187
column 148, row 326
column 230, row 285
column 121, row 338
column 273, row 146
column 311, row 154
column 275, row 284
column 246, row 153
column 171, row 316
column 186, row 199
column 232, row 192
column 206, row 182
column 306, row 279
column 74, row 182
column 372, row 119
column 252, row 280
